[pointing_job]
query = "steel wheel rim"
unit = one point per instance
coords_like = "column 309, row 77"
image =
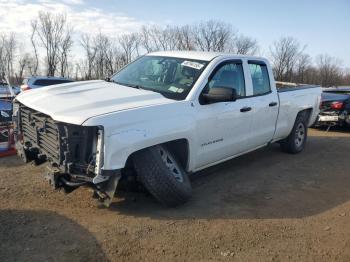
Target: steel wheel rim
column 171, row 164
column 300, row 135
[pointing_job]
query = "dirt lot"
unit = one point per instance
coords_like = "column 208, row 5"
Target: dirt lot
column 265, row 206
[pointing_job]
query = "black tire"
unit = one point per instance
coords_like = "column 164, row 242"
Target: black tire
column 295, row 142
column 161, row 179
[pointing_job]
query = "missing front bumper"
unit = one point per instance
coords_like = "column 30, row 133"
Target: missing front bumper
column 104, row 191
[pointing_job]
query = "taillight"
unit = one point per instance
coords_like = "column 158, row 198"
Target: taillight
column 337, row 105
column 25, row 87
column 321, row 105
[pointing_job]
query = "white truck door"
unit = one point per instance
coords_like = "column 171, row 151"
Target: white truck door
column 264, row 103
column 223, row 128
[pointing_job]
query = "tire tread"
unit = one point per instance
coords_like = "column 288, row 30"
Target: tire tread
column 288, row 144
column 152, row 173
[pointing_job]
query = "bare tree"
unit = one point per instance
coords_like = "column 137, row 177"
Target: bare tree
column 302, row 68
column 285, row 53
column 52, row 31
column 245, row 45
column 114, row 60
column 3, row 57
column 8, row 45
column 167, row 38
column 330, row 73
column 90, row 53
column 185, row 38
column 105, row 55
column 34, row 69
column 213, row 36
column 346, row 78
column 129, row 44
column 65, row 48
column 24, row 61
column 156, row 38
column 146, row 39
column 102, row 44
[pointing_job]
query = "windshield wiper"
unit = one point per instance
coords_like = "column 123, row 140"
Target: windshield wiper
column 107, row 79
column 133, row 86
column 129, row 85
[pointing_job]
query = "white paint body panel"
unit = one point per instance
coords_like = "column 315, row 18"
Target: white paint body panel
column 136, row 119
column 76, row 102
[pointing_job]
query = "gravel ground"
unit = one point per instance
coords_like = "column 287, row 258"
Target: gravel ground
column 264, row 206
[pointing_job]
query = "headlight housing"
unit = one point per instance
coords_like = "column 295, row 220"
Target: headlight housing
column 99, row 156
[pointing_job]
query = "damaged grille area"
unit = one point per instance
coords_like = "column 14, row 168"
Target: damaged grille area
column 67, row 147
column 40, row 132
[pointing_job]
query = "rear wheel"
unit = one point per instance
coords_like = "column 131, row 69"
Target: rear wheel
column 295, row 142
column 162, row 175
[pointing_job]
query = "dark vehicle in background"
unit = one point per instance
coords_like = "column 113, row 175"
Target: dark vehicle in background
column 7, row 93
column 337, row 90
column 37, row 82
column 335, row 107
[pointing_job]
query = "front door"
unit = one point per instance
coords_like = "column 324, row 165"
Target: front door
column 223, row 128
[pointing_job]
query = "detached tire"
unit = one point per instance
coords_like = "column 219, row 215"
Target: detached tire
column 295, row 142
column 162, row 175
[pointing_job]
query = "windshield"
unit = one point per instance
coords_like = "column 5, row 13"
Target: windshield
column 169, row 76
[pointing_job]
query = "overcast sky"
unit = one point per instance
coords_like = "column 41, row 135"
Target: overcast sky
column 323, row 26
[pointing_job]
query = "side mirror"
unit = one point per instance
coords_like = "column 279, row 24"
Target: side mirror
column 220, row 94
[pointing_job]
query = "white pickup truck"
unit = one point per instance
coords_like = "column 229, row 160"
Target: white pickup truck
column 158, row 119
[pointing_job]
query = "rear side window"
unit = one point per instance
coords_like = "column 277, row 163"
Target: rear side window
column 260, row 78
column 230, row 75
column 49, row 82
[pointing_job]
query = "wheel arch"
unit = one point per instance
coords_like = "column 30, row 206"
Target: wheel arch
column 307, row 112
column 179, row 147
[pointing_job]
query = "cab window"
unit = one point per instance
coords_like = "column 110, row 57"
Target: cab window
column 229, row 75
column 260, row 78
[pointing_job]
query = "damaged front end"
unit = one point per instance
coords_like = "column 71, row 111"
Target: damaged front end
column 74, row 153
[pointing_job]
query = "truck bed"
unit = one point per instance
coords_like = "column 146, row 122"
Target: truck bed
column 294, row 88
column 293, row 100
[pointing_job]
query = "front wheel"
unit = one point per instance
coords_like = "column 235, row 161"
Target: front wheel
column 162, row 175
column 295, row 142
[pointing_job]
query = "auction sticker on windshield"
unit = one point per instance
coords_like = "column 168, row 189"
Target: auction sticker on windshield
column 192, row 64
column 175, row 89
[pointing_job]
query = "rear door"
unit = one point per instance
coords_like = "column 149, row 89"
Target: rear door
column 265, row 104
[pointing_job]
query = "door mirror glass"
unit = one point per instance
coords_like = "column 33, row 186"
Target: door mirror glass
column 220, row 94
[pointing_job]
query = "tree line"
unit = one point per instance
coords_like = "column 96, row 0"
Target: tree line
column 52, row 39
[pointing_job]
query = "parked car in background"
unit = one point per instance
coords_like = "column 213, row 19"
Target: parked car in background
column 5, row 91
column 338, row 90
column 5, row 111
column 38, row 81
column 335, row 107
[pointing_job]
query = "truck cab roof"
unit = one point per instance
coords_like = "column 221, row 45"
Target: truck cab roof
column 202, row 55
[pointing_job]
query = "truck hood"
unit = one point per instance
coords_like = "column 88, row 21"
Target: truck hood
column 76, row 102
